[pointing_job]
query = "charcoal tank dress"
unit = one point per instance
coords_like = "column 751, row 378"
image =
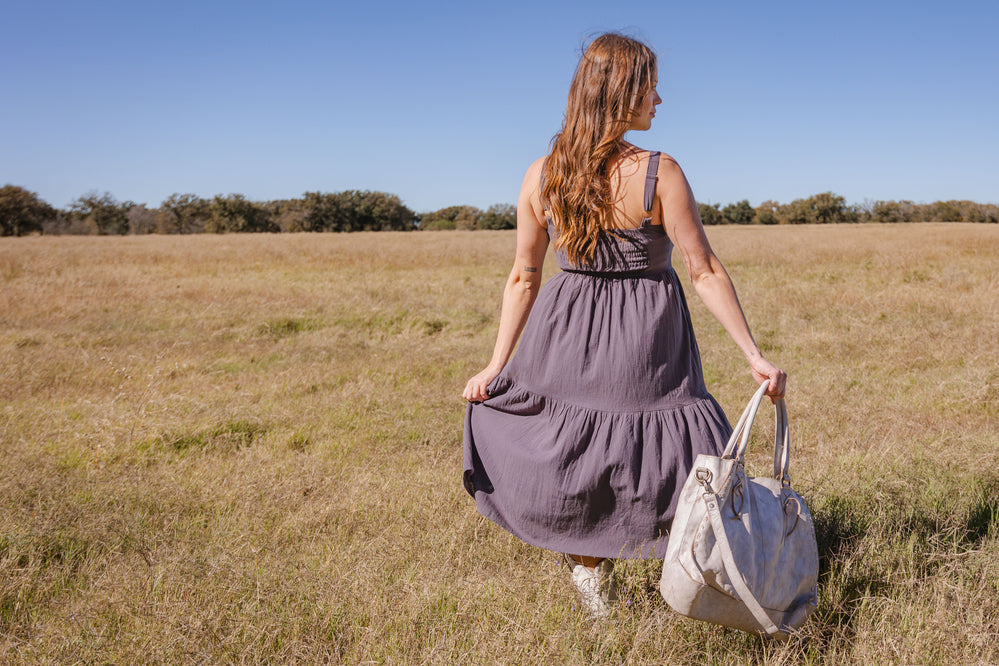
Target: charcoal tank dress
column 591, row 428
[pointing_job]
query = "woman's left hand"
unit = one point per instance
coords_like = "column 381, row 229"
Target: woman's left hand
column 475, row 389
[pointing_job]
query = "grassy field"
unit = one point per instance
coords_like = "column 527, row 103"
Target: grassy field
column 246, row 449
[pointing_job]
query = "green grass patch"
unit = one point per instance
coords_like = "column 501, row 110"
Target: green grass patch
column 223, row 438
column 283, row 327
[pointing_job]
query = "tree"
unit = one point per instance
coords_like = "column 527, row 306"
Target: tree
column 355, row 210
column 288, row 214
column 468, row 218
column 322, row 211
column 102, row 213
column 821, row 208
column 452, row 217
column 499, row 216
column 182, row 214
column 141, row 220
column 829, row 208
column 946, row 211
column 380, row 211
column 891, row 211
column 709, row 214
column 797, row 212
column 436, row 225
column 739, row 213
column 767, row 212
column 22, row 212
column 234, row 213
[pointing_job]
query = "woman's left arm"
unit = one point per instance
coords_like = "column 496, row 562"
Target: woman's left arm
column 521, row 286
column 707, row 275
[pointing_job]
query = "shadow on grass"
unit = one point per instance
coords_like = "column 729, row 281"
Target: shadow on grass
column 889, row 534
column 983, row 517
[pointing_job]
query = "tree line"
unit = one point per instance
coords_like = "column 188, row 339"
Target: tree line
column 826, row 208
column 23, row 212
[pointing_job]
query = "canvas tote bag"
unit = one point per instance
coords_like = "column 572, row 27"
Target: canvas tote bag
column 742, row 550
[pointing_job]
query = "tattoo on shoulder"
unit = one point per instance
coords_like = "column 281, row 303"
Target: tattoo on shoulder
column 530, row 269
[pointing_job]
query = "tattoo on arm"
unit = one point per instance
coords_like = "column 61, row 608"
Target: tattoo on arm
column 530, row 269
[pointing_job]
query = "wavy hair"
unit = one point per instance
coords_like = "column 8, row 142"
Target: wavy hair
column 612, row 77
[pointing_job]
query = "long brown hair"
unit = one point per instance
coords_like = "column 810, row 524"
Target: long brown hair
column 613, row 76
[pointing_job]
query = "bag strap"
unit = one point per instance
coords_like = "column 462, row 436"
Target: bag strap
column 736, row 447
column 738, row 582
column 782, row 443
column 737, row 443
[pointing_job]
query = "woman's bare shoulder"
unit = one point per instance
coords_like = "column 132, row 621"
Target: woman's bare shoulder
column 669, row 171
column 536, row 166
column 532, row 179
column 530, row 190
column 667, row 162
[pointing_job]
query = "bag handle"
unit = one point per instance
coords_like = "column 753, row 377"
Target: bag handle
column 737, row 443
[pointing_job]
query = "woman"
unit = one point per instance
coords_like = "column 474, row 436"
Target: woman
column 582, row 441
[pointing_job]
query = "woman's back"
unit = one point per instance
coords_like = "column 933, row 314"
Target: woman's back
column 629, row 179
column 637, row 244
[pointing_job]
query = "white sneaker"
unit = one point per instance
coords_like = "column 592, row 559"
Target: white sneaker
column 596, row 586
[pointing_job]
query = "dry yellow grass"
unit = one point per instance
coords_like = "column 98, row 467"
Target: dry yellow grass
column 247, row 449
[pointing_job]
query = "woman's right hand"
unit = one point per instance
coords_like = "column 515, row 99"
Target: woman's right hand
column 475, row 388
column 764, row 370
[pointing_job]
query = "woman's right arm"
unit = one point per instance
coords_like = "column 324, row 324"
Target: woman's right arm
column 707, row 275
column 521, row 286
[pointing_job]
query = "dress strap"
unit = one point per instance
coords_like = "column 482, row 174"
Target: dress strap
column 651, row 176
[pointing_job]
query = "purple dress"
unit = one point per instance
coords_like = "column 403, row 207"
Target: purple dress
column 590, row 430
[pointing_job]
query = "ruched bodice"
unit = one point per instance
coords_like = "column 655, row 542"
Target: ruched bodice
column 644, row 250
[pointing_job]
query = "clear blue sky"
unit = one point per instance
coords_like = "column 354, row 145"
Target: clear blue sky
column 446, row 103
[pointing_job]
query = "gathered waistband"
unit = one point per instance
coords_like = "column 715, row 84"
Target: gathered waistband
column 620, row 275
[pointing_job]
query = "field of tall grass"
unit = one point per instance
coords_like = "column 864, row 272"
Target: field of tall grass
column 247, row 448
